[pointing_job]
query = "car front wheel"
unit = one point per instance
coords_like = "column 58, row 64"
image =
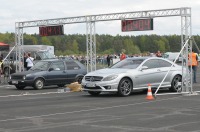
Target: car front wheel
column 39, row 83
column 125, row 87
column 176, row 83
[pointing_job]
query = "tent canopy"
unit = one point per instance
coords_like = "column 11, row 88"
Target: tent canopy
column 4, row 47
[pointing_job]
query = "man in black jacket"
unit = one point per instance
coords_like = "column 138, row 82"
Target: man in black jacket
column 25, row 63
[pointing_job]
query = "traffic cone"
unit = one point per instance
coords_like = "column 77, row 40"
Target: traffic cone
column 149, row 93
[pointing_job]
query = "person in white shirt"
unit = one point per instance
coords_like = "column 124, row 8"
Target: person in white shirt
column 29, row 61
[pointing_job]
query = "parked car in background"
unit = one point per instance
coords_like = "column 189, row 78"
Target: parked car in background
column 49, row 72
column 132, row 74
column 172, row 56
column 9, row 65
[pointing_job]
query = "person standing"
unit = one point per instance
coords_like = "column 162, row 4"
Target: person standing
column 193, row 62
column 25, row 63
column 108, row 60
column 1, row 65
column 158, row 54
column 29, row 61
column 123, row 56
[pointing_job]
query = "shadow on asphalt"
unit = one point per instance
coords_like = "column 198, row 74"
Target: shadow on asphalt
column 28, row 88
column 135, row 93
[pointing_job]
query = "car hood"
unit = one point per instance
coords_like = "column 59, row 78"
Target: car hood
column 107, row 71
column 27, row 72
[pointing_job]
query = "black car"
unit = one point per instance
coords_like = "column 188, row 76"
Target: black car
column 49, row 72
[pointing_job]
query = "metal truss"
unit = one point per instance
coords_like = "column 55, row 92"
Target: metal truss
column 91, row 46
column 108, row 17
column 184, row 12
column 18, row 42
column 186, row 33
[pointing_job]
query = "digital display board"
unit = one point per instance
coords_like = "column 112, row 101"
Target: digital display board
column 51, row 30
column 137, row 25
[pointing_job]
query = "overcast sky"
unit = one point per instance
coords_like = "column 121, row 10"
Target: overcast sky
column 12, row 11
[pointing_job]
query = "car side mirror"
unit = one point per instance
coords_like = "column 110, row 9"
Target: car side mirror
column 51, row 69
column 144, row 68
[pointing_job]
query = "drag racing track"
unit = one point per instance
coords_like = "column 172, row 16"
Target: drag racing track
column 49, row 111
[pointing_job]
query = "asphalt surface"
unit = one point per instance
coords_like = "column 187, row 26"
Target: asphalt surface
column 51, row 110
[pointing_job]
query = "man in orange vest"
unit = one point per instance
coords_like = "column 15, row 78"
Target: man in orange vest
column 193, row 61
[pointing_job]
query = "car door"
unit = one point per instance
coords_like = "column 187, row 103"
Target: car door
column 73, row 69
column 56, row 73
column 165, row 66
column 152, row 75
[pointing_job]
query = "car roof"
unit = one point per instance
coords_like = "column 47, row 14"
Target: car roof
column 144, row 58
column 147, row 57
column 138, row 58
column 51, row 60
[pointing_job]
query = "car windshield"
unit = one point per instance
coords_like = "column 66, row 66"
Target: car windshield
column 128, row 63
column 46, row 55
column 41, row 65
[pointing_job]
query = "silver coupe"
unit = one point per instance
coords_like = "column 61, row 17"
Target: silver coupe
column 132, row 74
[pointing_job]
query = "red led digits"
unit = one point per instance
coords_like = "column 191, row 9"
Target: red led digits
column 51, row 30
column 137, row 25
column 130, row 25
column 43, row 31
column 147, row 24
column 141, row 25
column 123, row 23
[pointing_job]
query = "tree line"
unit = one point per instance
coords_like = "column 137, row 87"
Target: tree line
column 105, row 44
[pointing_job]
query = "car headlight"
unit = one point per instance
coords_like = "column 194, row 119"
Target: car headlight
column 111, row 77
column 24, row 77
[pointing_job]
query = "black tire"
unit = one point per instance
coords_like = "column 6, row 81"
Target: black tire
column 39, row 84
column 79, row 79
column 61, row 85
column 125, row 87
column 20, row 87
column 175, row 84
column 94, row 93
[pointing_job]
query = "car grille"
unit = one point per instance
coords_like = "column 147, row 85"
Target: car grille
column 93, row 88
column 17, row 77
column 93, row 78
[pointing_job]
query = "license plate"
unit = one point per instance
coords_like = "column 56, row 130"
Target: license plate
column 90, row 85
column 14, row 82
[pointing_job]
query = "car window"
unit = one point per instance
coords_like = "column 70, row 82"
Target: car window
column 11, row 56
column 37, row 57
column 58, row 66
column 72, row 65
column 41, row 65
column 45, row 55
column 128, row 63
column 164, row 63
column 153, row 63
